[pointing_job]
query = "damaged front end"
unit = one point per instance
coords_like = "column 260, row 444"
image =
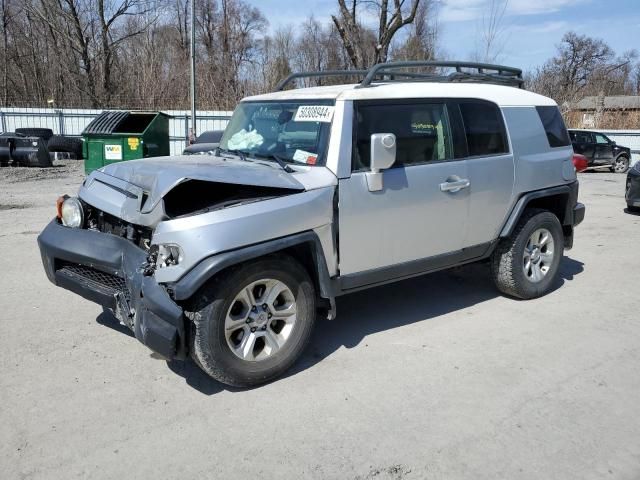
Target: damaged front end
column 116, row 273
column 144, row 227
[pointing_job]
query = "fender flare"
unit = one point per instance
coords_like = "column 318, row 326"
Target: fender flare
column 195, row 278
column 571, row 190
column 623, row 154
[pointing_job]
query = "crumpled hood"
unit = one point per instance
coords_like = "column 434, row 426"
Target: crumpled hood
column 157, row 176
column 133, row 190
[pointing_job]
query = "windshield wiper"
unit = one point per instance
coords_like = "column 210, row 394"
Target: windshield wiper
column 238, row 153
column 282, row 161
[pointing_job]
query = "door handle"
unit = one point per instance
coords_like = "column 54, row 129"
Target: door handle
column 454, row 186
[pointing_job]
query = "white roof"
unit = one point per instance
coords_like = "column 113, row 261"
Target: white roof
column 502, row 95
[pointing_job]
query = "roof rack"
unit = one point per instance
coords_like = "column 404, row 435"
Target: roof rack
column 327, row 73
column 396, row 71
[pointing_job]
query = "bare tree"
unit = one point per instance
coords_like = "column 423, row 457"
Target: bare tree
column 392, row 17
column 422, row 42
column 492, row 34
column 584, row 66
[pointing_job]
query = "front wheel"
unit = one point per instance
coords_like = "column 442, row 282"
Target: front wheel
column 620, row 164
column 252, row 323
column 525, row 264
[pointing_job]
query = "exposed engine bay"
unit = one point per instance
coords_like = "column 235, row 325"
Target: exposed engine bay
column 196, row 196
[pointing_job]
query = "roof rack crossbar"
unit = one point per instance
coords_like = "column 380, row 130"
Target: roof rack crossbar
column 327, row 73
column 392, row 71
column 509, row 75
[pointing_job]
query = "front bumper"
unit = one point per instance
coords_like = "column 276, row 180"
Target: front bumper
column 578, row 214
column 632, row 191
column 112, row 272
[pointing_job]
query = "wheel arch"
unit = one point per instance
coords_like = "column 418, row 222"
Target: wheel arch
column 305, row 247
column 558, row 200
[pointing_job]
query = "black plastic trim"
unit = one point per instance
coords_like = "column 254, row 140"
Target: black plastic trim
column 159, row 321
column 578, row 214
column 570, row 189
column 207, row 268
column 393, row 273
column 78, row 285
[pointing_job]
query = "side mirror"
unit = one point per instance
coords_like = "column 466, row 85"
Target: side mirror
column 383, row 156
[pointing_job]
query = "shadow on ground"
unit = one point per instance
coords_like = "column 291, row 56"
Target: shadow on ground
column 377, row 309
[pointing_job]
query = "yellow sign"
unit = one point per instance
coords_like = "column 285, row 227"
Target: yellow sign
column 133, row 143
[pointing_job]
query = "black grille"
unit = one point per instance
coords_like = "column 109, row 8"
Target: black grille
column 96, row 279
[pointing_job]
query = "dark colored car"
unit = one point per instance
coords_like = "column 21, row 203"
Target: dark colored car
column 600, row 150
column 206, row 142
column 632, row 194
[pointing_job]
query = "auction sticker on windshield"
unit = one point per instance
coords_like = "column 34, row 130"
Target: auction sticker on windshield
column 314, row 113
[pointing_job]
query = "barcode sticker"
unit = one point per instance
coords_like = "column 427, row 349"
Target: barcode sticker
column 314, row 113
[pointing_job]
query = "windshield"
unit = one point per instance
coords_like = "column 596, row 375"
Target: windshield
column 289, row 131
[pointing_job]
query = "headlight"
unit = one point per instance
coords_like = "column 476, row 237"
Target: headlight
column 72, row 214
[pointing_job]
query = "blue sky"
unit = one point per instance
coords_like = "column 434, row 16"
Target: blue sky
column 531, row 28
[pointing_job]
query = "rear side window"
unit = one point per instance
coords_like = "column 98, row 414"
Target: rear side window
column 553, row 126
column 580, row 137
column 483, row 128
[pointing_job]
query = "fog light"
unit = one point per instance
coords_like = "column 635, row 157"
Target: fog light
column 71, row 212
column 168, row 255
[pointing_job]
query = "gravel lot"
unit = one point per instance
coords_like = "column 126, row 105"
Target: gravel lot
column 437, row 377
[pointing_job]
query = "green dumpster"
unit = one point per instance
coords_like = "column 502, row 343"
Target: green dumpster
column 115, row 136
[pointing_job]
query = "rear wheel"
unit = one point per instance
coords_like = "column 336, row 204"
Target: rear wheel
column 526, row 263
column 620, row 164
column 252, row 323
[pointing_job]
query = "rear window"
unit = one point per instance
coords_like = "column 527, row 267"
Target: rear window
column 483, row 128
column 553, row 126
column 580, row 137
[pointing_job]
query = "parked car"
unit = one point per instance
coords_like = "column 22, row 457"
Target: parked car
column 315, row 193
column 580, row 162
column 207, row 142
column 632, row 192
column 600, row 150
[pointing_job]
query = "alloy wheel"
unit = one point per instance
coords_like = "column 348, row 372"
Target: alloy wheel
column 260, row 320
column 538, row 255
column 620, row 165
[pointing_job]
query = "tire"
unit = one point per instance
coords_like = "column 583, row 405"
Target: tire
column 509, row 260
column 220, row 351
column 620, row 164
column 60, row 143
column 44, row 133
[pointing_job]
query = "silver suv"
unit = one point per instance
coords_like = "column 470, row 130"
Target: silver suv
column 315, row 193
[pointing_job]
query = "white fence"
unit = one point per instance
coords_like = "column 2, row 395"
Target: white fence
column 73, row 121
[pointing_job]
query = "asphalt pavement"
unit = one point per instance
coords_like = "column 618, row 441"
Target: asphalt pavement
column 438, row 377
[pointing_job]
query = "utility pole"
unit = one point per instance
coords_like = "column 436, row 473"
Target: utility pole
column 193, row 69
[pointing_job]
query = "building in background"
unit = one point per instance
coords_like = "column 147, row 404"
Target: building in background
column 606, row 112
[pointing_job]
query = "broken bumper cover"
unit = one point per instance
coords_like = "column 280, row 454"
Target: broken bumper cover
column 109, row 270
